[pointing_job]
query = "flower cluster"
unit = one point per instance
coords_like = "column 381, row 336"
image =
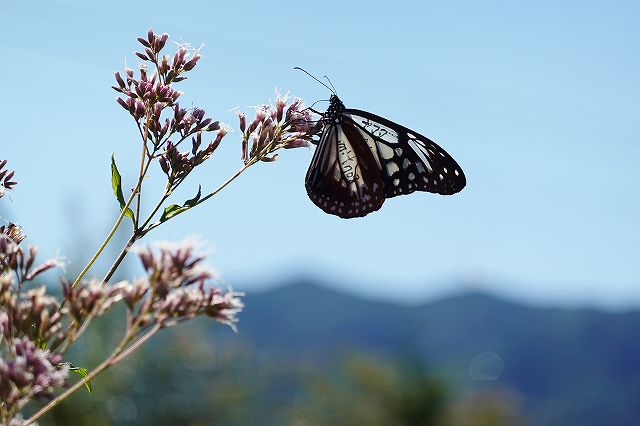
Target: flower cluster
column 35, row 314
column 29, row 322
column 14, row 232
column 175, row 288
column 92, row 298
column 29, row 373
column 13, row 257
column 36, row 328
column 177, row 165
column 273, row 127
column 147, row 97
column 6, row 182
column 178, row 284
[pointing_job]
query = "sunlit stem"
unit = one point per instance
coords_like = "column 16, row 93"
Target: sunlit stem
column 136, row 191
column 205, row 198
column 108, row 238
column 143, row 157
column 118, row 355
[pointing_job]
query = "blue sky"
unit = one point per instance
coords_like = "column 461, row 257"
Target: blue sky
column 538, row 101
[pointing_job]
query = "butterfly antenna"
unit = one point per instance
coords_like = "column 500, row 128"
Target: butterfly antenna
column 319, row 81
column 334, row 89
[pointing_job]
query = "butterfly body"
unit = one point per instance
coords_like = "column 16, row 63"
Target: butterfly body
column 362, row 159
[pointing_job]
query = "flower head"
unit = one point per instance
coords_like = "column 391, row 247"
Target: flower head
column 180, row 286
column 92, row 297
column 284, row 125
column 30, row 372
column 149, row 95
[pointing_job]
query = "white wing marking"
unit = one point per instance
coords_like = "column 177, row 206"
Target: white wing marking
column 378, row 130
column 422, row 153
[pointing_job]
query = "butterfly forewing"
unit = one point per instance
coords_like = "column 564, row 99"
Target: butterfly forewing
column 407, row 160
column 343, row 178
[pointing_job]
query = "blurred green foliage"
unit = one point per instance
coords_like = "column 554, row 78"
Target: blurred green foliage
column 184, row 377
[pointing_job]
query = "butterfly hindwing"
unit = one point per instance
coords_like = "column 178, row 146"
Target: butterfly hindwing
column 407, row 160
column 343, row 178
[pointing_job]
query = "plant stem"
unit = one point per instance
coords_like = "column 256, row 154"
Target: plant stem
column 120, row 257
column 143, row 157
column 143, row 171
column 117, row 356
column 155, row 209
column 75, row 336
column 211, row 194
column 122, row 351
column 109, row 236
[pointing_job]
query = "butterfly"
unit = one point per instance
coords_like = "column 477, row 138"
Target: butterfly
column 362, row 159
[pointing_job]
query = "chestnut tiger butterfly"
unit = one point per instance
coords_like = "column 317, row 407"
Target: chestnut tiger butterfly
column 361, row 159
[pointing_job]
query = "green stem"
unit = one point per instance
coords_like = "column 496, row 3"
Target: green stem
column 109, row 236
column 122, row 351
column 155, row 210
column 205, row 198
column 136, row 191
column 118, row 355
column 143, row 156
column 75, row 336
column 120, row 257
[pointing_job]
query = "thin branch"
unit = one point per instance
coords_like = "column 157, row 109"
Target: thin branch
column 203, row 199
column 112, row 360
column 143, row 157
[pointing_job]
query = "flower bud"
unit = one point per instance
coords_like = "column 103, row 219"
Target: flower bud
column 164, row 165
column 164, row 64
column 141, row 56
column 161, row 41
column 192, row 62
column 195, row 143
column 120, row 80
column 139, row 109
column 243, row 120
column 280, row 104
column 123, row 103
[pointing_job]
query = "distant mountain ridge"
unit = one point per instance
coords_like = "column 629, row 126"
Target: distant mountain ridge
column 570, row 366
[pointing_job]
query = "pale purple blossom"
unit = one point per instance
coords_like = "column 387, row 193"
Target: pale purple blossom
column 29, row 373
column 181, row 286
column 275, row 127
column 149, row 95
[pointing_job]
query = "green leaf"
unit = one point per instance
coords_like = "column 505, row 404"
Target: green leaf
column 192, row 202
column 116, row 184
column 82, row 372
column 173, row 209
column 170, row 211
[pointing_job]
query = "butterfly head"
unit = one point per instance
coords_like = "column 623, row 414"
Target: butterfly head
column 335, row 110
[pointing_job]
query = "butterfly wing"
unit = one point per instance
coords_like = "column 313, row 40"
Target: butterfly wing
column 407, row 160
column 344, row 178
